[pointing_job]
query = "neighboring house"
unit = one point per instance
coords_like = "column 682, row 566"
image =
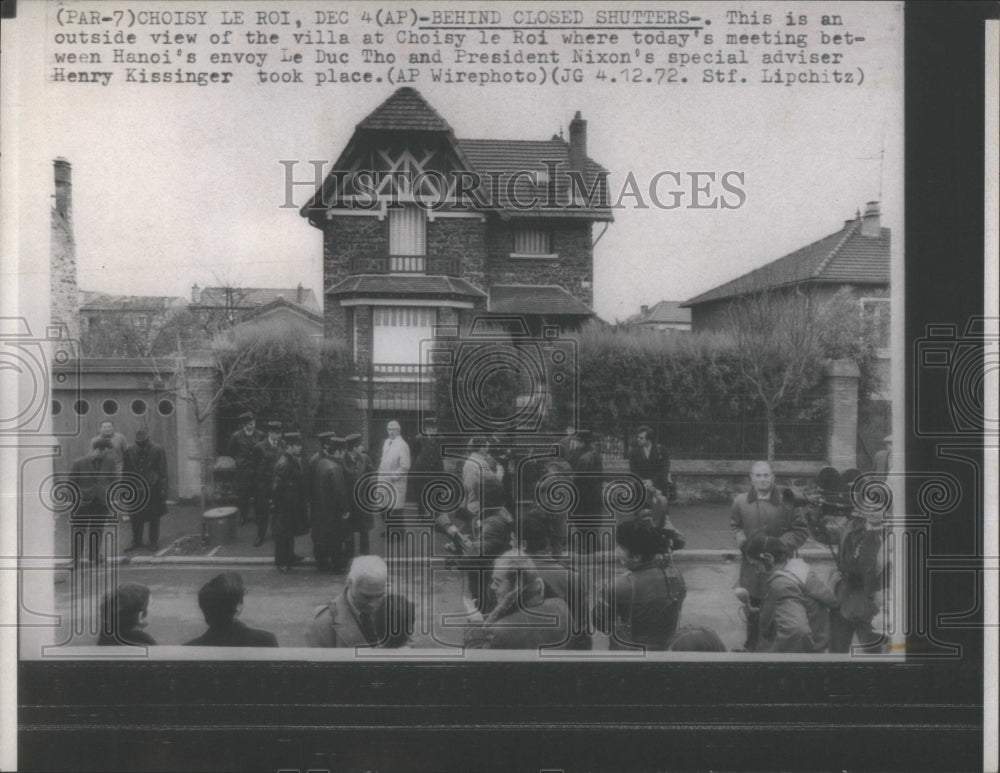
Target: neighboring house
column 145, row 313
column 855, row 257
column 511, row 235
column 665, row 317
column 220, row 307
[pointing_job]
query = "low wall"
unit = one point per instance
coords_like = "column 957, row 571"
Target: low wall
column 716, row 480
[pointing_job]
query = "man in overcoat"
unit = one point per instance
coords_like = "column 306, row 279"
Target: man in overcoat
column 331, row 507
column 357, row 464
column 763, row 511
column 149, row 461
column 355, row 618
column 241, row 445
column 288, row 502
column 265, row 456
column 394, row 465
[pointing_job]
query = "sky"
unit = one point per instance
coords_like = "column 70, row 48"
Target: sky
column 174, row 186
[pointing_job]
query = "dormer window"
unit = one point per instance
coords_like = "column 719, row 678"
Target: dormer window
column 407, row 239
column 532, row 242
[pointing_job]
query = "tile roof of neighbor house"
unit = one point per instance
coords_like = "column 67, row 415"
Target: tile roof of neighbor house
column 407, row 110
column 280, row 302
column 411, row 284
column 662, row 312
column 250, row 297
column 842, row 257
column 98, row 301
column 535, row 299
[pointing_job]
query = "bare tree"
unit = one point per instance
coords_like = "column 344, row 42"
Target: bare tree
column 201, row 378
column 776, row 337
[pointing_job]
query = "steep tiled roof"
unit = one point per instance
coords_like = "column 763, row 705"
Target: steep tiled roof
column 97, row 301
column 405, row 109
column 502, row 159
column 842, row 257
column 387, row 284
column 662, row 312
column 535, row 299
column 251, row 297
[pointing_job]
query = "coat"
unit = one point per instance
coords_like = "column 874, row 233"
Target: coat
column 861, row 562
column 336, row 624
column 655, row 467
column 241, row 448
column 331, row 505
column 149, row 462
column 393, row 467
column 357, row 466
column 482, row 485
column 263, row 458
column 544, row 622
column 643, row 605
column 92, row 479
column 752, row 515
column 234, row 634
column 288, row 494
column 784, row 615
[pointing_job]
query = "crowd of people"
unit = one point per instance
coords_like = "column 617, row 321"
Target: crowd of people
column 524, row 585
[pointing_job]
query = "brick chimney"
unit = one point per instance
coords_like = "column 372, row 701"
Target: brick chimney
column 870, row 224
column 64, row 294
column 299, row 293
column 644, row 309
column 195, row 293
column 578, row 143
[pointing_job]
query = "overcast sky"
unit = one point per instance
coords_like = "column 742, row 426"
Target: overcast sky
column 175, row 185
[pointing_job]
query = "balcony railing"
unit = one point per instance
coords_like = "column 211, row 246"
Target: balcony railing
column 406, row 264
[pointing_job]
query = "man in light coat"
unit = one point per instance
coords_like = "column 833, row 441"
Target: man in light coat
column 394, row 466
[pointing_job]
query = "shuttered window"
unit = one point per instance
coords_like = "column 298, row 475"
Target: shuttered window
column 398, row 331
column 531, row 241
column 407, row 231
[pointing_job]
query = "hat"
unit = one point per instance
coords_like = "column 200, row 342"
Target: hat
column 585, row 435
column 430, row 420
column 887, row 439
column 353, row 439
column 246, row 416
column 100, row 442
column 324, row 436
column 336, row 443
column 274, row 426
column 141, row 435
column 292, row 437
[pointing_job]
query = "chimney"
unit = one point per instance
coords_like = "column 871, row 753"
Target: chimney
column 195, row 293
column 578, row 143
column 644, row 308
column 870, row 225
column 64, row 294
column 299, row 293
column 64, row 187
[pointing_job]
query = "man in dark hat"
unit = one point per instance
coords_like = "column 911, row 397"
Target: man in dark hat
column 149, row 461
column 357, row 464
column 331, row 508
column 288, row 502
column 265, row 455
column 241, row 446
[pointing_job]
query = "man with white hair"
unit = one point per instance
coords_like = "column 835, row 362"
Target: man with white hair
column 355, row 618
